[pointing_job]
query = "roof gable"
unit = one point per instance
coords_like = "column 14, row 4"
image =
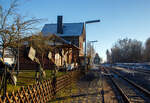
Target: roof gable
column 69, row 29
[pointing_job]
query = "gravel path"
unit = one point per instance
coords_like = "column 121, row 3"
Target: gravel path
column 92, row 88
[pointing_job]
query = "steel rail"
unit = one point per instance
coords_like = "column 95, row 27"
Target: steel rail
column 145, row 91
column 123, row 95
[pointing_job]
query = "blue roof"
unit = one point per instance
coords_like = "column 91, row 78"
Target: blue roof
column 69, row 29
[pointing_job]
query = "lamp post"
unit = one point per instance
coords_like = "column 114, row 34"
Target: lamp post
column 91, row 50
column 87, row 22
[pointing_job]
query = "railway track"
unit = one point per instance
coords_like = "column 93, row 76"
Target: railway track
column 147, row 72
column 140, row 70
column 130, row 92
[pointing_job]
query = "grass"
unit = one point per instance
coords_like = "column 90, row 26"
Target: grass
column 26, row 78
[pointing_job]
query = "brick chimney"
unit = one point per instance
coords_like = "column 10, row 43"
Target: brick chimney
column 60, row 24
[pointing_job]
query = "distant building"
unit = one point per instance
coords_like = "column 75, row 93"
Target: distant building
column 96, row 59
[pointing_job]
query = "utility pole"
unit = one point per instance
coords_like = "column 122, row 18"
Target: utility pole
column 87, row 22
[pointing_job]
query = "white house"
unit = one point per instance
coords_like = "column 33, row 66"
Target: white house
column 9, row 58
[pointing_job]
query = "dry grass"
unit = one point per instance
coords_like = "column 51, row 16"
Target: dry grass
column 65, row 95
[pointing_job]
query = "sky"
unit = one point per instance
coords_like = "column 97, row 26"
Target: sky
column 119, row 18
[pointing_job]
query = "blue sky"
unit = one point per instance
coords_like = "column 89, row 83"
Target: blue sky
column 119, row 18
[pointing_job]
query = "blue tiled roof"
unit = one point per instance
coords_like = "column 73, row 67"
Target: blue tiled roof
column 69, row 29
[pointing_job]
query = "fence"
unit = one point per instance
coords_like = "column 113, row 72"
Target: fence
column 40, row 92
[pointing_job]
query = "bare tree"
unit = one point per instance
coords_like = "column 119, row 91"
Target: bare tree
column 127, row 50
column 13, row 27
column 39, row 43
column 147, row 50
